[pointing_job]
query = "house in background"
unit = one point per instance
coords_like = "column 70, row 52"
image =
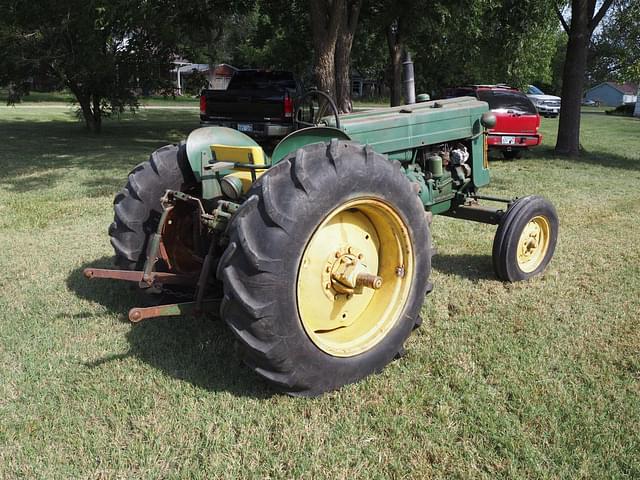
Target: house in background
column 613, row 94
column 636, row 112
column 217, row 76
column 362, row 86
column 221, row 76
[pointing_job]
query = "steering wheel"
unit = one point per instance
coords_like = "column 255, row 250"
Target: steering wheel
column 312, row 107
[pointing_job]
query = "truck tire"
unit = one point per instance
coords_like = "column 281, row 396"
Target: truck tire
column 137, row 208
column 325, row 205
column 526, row 239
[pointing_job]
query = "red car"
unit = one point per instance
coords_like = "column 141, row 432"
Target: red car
column 517, row 119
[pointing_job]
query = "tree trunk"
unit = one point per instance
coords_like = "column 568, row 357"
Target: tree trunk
column 394, row 42
column 325, row 20
column 97, row 115
column 575, row 65
column 87, row 113
column 324, row 69
column 344, row 43
column 92, row 115
column 583, row 23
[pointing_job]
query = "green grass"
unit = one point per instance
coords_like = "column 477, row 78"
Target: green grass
column 532, row 380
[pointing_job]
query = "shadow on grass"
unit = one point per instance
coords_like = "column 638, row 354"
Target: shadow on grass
column 45, row 150
column 198, row 350
column 471, row 267
column 603, row 159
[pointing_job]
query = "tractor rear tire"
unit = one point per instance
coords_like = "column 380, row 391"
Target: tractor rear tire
column 319, row 205
column 137, row 207
column 526, row 239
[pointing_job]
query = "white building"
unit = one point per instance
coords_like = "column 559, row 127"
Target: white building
column 218, row 76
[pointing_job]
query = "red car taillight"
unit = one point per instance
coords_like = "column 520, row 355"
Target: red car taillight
column 288, row 106
column 203, row 105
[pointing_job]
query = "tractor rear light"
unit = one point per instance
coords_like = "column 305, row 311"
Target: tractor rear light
column 203, row 105
column 288, row 106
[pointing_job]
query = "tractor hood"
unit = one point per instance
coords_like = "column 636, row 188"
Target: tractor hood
column 398, row 129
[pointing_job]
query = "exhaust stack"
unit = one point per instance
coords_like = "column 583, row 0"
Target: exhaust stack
column 408, row 83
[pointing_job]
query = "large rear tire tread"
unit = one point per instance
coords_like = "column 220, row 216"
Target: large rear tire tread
column 267, row 238
column 137, row 207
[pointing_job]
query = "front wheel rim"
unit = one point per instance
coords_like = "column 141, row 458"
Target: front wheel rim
column 533, row 244
column 345, row 324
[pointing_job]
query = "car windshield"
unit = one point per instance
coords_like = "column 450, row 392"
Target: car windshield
column 255, row 80
column 505, row 100
column 534, row 90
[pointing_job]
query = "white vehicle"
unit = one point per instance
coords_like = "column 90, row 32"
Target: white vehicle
column 547, row 105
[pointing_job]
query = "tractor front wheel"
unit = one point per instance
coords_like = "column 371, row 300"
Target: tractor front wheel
column 326, row 269
column 526, row 239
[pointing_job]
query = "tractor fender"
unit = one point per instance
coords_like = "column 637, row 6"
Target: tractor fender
column 303, row 137
column 200, row 140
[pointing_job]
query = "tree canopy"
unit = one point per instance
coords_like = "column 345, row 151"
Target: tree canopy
column 108, row 52
column 615, row 49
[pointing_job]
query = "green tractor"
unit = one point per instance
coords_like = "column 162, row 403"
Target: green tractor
column 318, row 255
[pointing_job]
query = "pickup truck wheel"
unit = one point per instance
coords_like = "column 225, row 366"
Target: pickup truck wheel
column 525, row 240
column 327, row 268
column 137, row 206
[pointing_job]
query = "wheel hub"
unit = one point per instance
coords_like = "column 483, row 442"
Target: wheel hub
column 343, row 302
column 346, row 273
column 533, row 244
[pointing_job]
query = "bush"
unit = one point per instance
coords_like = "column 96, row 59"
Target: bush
column 625, row 110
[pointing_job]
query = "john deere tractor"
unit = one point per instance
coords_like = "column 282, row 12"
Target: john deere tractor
column 318, row 255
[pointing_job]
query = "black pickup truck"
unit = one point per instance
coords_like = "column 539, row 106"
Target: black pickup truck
column 257, row 102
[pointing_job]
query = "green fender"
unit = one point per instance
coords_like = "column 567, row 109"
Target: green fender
column 200, row 140
column 305, row 136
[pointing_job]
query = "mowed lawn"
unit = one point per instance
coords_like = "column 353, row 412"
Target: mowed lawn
column 539, row 379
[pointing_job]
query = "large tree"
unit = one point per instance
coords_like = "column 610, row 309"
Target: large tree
column 104, row 51
column 326, row 18
column 101, row 51
column 344, row 44
column 583, row 20
column 333, row 25
column 465, row 42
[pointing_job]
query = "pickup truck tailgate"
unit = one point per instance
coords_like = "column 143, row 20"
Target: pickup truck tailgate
column 245, row 105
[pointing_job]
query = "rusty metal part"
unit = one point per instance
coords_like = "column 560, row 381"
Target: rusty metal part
column 368, row 280
column 182, row 237
column 204, row 274
column 137, row 276
column 138, row 314
column 154, row 244
column 349, row 274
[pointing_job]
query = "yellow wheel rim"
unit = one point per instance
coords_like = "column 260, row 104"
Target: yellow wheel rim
column 346, row 323
column 533, row 244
